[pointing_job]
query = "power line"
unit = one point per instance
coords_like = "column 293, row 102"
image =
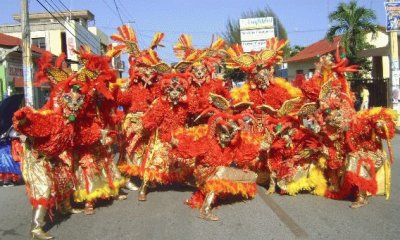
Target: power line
column 64, row 5
column 64, row 25
column 124, row 9
column 119, row 14
column 60, row 11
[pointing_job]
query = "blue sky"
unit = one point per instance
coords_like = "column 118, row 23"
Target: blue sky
column 306, row 21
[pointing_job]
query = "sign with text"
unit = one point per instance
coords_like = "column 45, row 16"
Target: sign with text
column 392, row 16
column 256, row 23
column 254, row 45
column 257, row 34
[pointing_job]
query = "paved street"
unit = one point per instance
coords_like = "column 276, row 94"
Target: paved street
column 164, row 216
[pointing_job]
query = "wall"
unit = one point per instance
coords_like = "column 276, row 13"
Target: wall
column 3, row 86
column 303, row 65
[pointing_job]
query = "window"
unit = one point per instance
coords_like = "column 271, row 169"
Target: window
column 39, row 42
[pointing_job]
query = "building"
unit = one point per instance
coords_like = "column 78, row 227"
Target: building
column 59, row 32
column 11, row 73
column 376, row 80
column 303, row 62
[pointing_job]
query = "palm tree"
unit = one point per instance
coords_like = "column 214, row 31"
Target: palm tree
column 353, row 23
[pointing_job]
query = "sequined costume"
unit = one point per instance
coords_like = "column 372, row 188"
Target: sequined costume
column 10, row 172
column 223, row 155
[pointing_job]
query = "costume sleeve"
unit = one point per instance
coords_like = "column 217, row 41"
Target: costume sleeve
column 87, row 132
column 35, row 123
column 154, row 115
column 123, row 98
column 187, row 147
column 220, row 89
column 140, row 99
column 246, row 153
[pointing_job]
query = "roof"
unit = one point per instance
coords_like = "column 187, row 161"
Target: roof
column 74, row 14
column 10, row 41
column 316, row 49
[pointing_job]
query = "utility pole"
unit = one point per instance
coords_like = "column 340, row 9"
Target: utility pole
column 394, row 70
column 27, row 54
column 393, row 84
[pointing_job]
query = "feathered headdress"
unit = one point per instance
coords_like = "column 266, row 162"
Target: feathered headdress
column 191, row 56
column 248, row 62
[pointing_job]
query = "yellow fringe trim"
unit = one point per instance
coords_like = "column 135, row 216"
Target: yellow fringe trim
column 197, row 131
column 154, row 175
column 130, row 170
column 315, row 183
column 378, row 111
column 248, row 137
column 103, row 192
column 322, row 162
column 241, row 94
column 293, row 91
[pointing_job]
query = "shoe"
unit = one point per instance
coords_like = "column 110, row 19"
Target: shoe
column 39, row 234
column 359, row 204
column 131, row 186
column 8, row 183
column 121, row 197
column 208, row 215
column 89, row 209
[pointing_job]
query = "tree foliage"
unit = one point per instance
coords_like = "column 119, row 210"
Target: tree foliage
column 353, row 23
column 295, row 50
column 232, row 33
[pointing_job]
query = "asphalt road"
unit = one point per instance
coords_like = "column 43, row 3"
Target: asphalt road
column 164, row 216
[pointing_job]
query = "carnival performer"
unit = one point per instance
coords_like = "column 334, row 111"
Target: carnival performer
column 10, row 172
column 350, row 142
column 223, row 157
column 167, row 113
column 96, row 173
column 201, row 65
column 136, row 93
column 261, row 86
column 275, row 101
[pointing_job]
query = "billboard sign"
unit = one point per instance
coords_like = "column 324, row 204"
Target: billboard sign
column 257, row 34
column 256, row 23
column 254, row 45
column 392, row 16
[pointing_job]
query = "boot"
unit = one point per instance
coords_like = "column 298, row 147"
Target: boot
column 38, row 215
column 131, row 186
column 66, row 208
column 272, row 185
column 361, row 200
column 142, row 192
column 89, row 208
column 206, row 209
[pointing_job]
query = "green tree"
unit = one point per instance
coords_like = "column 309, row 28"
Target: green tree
column 353, row 23
column 232, row 35
column 295, row 50
column 232, row 32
